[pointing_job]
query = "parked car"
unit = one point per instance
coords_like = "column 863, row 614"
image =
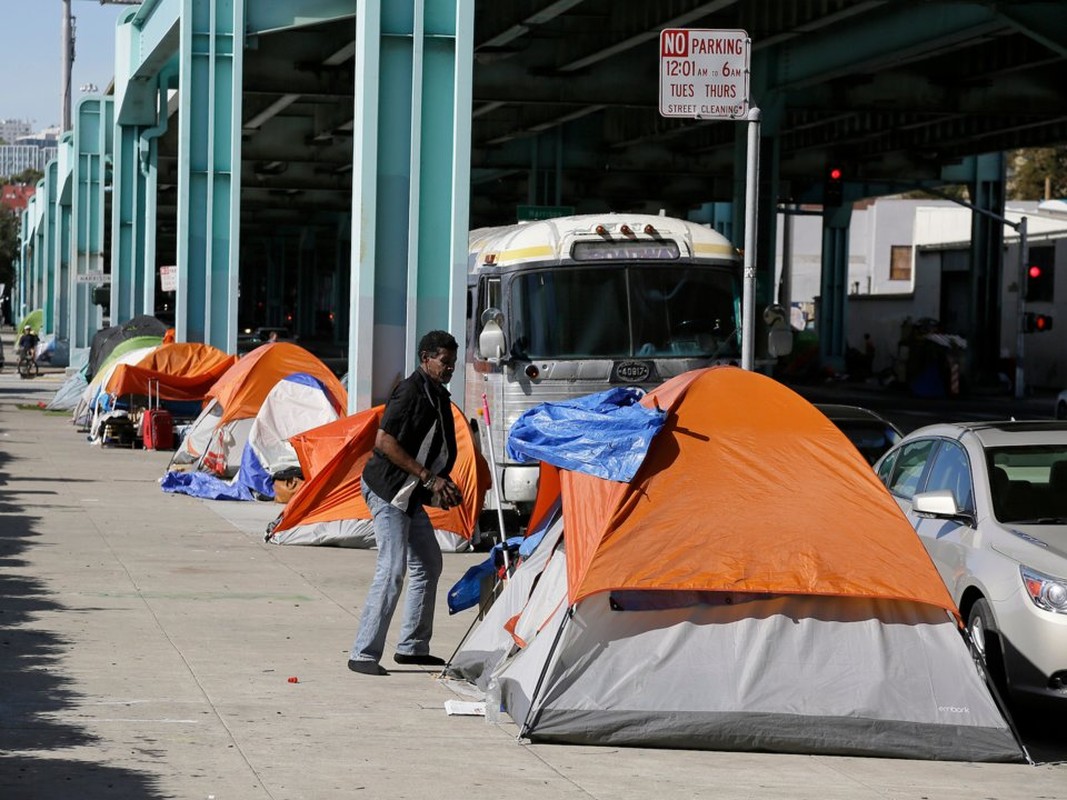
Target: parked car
column 248, row 340
column 870, row 432
column 1061, row 405
column 989, row 501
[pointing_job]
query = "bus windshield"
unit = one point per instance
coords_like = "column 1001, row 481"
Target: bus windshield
column 638, row 311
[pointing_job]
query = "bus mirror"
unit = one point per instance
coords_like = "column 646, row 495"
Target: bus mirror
column 780, row 332
column 779, row 342
column 492, row 344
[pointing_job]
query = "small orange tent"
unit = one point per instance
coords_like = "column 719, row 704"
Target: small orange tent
column 332, row 459
column 179, row 371
column 243, row 388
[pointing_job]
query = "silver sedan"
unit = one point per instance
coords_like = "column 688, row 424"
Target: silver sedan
column 989, row 501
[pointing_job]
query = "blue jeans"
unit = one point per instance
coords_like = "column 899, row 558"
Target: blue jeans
column 405, row 544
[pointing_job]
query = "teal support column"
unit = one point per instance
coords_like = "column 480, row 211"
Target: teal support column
column 51, row 179
column 127, row 226
column 209, row 163
column 93, row 138
column 276, row 259
column 719, row 215
column 306, row 280
column 981, row 322
column 833, row 286
column 19, row 304
column 62, row 202
column 410, row 187
column 40, row 249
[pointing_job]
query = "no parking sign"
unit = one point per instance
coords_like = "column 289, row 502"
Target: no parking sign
column 704, row 73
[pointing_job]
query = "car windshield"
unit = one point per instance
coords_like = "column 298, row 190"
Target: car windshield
column 1029, row 484
column 638, row 311
column 871, row 438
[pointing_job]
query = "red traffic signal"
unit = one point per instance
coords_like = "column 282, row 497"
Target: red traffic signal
column 1034, row 272
column 835, row 173
column 1036, row 323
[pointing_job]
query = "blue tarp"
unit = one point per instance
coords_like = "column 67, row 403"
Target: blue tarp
column 208, row 487
column 467, row 591
column 605, row 434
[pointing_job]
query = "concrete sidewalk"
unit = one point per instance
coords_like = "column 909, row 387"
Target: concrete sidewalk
column 147, row 642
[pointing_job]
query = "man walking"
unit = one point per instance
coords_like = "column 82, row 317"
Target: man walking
column 413, row 452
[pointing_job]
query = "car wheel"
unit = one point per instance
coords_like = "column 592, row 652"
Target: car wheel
column 985, row 643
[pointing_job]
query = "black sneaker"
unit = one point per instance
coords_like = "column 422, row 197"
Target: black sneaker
column 367, row 667
column 425, row 660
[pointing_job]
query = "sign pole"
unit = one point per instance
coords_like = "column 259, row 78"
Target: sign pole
column 1024, row 257
column 748, row 297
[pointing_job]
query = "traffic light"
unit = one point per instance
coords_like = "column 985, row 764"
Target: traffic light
column 1039, row 275
column 833, row 188
column 1036, row 323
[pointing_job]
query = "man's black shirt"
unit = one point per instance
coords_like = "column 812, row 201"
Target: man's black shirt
column 419, row 416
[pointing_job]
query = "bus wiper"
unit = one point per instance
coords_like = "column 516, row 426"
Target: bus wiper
column 725, row 342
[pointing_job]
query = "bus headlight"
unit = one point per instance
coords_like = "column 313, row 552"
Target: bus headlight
column 1047, row 592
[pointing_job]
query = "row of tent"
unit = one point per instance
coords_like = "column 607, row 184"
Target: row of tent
column 275, row 410
column 752, row 586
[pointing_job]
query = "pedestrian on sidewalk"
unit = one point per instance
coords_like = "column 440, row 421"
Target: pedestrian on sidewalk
column 414, row 450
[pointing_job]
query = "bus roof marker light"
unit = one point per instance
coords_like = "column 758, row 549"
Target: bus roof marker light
column 490, row 259
column 626, row 230
column 650, row 230
column 601, row 230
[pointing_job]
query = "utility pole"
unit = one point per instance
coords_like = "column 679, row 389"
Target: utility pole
column 67, row 63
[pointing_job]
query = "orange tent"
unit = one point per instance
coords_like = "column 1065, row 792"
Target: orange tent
column 243, row 388
column 180, row 370
column 332, row 458
column 735, row 439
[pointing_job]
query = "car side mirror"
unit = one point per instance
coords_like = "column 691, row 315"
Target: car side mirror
column 941, row 503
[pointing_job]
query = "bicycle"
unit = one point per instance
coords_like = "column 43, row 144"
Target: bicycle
column 27, row 366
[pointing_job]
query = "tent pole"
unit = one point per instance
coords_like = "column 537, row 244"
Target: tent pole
column 477, row 618
column 484, row 411
column 544, row 672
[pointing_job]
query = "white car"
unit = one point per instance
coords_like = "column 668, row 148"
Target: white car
column 989, row 501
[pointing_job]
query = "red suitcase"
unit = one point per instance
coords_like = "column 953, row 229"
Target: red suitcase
column 158, row 429
column 157, row 425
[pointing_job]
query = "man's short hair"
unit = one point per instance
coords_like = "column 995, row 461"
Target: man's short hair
column 437, row 340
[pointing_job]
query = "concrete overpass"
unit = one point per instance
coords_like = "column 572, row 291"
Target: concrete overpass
column 318, row 162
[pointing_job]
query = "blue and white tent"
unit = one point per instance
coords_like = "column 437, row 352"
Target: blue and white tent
column 296, row 404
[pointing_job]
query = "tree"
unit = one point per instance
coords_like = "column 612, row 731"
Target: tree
column 9, row 245
column 27, row 176
column 1031, row 168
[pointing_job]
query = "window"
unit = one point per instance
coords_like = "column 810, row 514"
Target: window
column 909, row 468
column 885, row 469
column 951, row 470
column 900, row 262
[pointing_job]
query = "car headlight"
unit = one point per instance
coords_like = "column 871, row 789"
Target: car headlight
column 1046, row 592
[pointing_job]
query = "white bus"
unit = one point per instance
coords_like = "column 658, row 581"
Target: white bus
column 570, row 306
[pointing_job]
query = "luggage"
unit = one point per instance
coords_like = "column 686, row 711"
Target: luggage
column 157, row 424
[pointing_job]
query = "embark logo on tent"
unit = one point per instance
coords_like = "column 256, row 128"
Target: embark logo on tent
column 954, row 709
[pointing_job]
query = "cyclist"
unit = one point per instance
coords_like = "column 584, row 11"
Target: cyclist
column 27, row 346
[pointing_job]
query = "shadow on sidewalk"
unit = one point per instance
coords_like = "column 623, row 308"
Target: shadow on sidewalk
column 35, row 695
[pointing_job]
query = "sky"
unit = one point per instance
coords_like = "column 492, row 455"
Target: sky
column 30, row 85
